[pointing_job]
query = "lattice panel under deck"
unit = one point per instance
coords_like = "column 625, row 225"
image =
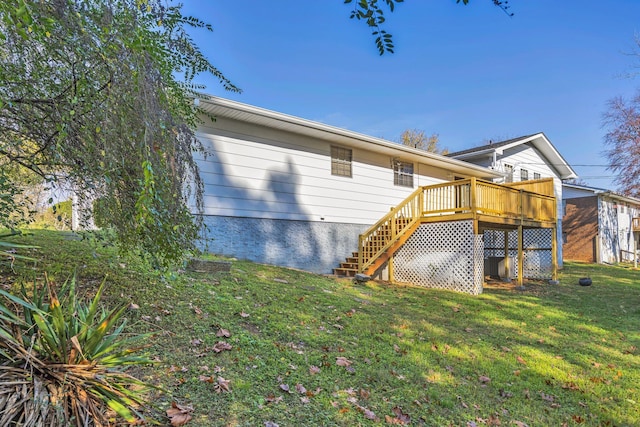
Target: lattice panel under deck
column 443, row 255
column 538, row 262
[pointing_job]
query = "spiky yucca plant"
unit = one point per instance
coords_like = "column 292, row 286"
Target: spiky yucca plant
column 62, row 360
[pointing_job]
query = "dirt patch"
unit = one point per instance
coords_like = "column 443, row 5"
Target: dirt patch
column 530, row 286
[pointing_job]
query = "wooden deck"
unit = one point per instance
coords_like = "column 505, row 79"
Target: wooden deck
column 527, row 204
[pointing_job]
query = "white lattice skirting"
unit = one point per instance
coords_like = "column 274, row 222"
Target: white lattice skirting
column 444, row 255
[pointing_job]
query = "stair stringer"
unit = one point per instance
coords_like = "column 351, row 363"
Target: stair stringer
column 382, row 259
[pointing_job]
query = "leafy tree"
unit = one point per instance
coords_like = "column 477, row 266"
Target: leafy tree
column 99, row 93
column 622, row 120
column 370, row 12
column 419, row 139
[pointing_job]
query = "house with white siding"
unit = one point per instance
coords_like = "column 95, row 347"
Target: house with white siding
column 599, row 225
column 284, row 190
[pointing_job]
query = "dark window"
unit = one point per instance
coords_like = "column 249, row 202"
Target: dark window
column 403, row 174
column 341, row 161
column 524, row 174
column 536, row 175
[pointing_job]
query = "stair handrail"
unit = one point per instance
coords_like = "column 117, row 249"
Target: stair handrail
column 415, row 197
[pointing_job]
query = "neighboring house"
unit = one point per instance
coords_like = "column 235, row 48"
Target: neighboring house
column 599, row 225
column 530, row 157
column 288, row 191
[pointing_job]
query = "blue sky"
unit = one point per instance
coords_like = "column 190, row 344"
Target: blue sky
column 468, row 73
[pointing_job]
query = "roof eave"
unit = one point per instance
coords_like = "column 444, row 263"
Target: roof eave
column 239, row 111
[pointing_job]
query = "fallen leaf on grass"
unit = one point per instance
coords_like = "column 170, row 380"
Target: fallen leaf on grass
column 270, row 424
column 400, row 418
column 577, row 418
column 521, row 360
column 243, row 314
column 207, row 379
column 571, row 386
column 314, row 370
column 301, row 389
column 223, row 333
column 179, row 414
column 221, row 346
column 547, row 397
column 273, row 399
column 222, row 385
column 484, row 379
column 369, row 414
column 343, row 361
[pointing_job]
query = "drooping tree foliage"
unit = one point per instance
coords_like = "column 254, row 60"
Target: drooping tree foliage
column 372, row 14
column 622, row 121
column 99, row 93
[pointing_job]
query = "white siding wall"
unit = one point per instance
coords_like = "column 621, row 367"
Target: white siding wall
column 259, row 172
column 617, row 241
column 608, row 231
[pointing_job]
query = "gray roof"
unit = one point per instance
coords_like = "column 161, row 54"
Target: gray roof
column 538, row 140
column 491, row 144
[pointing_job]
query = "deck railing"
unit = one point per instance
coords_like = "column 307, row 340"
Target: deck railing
column 540, row 186
column 465, row 198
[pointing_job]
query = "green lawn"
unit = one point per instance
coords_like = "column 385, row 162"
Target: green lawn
column 306, row 350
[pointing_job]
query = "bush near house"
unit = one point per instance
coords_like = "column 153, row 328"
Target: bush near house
column 269, row 346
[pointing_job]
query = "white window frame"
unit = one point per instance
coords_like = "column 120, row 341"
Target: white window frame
column 403, row 173
column 341, row 161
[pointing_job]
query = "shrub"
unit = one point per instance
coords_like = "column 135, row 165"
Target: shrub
column 62, row 360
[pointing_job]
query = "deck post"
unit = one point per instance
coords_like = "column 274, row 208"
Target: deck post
column 472, row 190
column 360, row 254
column 554, row 253
column 390, row 269
column 507, row 265
column 520, row 258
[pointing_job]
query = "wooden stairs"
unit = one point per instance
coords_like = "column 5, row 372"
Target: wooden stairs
column 385, row 236
column 348, row 268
